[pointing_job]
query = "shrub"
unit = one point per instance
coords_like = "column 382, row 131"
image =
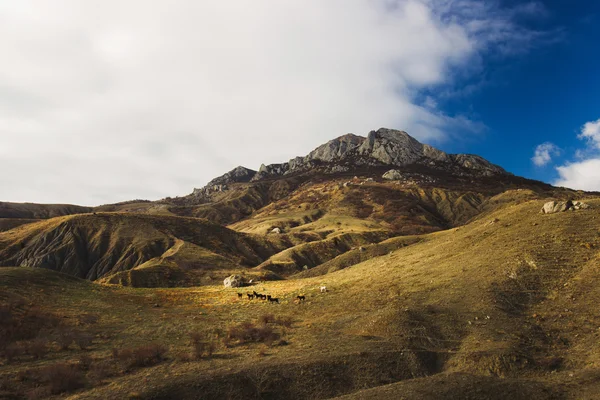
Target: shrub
column 201, row 346
column 143, row 356
column 285, row 321
column 37, row 348
column 205, row 348
column 65, row 338
column 124, row 354
column 184, row 356
column 37, row 393
column 100, row 370
column 13, row 351
column 83, row 340
column 85, row 361
column 149, row 354
column 248, row 332
column 62, row 378
column 20, row 323
column 266, row 318
column 88, row 319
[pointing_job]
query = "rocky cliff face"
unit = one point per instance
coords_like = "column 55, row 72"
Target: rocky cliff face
column 219, row 184
column 380, row 148
column 384, row 147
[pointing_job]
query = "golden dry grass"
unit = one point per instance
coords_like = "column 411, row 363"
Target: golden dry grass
column 505, row 303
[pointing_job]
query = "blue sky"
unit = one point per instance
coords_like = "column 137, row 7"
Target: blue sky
column 543, row 95
column 108, row 100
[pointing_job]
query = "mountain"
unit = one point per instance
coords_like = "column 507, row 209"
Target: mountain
column 400, row 271
column 384, row 147
column 349, row 193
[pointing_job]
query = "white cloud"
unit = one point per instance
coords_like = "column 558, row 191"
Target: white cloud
column 102, row 101
column 544, row 152
column 591, row 132
column 584, row 175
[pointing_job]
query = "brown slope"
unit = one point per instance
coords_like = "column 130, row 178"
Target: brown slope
column 10, row 223
column 93, row 246
column 39, row 211
column 420, row 313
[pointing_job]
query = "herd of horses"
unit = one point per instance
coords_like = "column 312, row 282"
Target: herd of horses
column 259, row 296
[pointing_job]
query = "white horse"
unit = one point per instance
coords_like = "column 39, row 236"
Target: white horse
column 323, row 289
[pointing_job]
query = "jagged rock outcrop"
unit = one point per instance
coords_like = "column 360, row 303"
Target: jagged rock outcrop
column 391, row 147
column 552, row 207
column 233, row 281
column 380, row 148
column 237, row 175
column 393, row 175
column 477, row 163
column 336, row 149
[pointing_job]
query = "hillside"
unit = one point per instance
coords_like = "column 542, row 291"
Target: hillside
column 38, row 211
column 350, row 193
column 136, row 249
column 502, row 305
column 321, row 222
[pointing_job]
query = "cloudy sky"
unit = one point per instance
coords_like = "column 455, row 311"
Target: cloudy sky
column 104, row 101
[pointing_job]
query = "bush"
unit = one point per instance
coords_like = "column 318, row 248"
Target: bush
column 20, row 323
column 62, row 378
column 83, row 340
column 201, row 346
column 40, row 392
column 248, row 332
column 37, row 348
column 88, row 319
column 184, row 356
column 266, row 318
column 143, row 356
column 101, row 370
column 65, row 338
column 285, row 321
column 85, row 361
column 13, row 351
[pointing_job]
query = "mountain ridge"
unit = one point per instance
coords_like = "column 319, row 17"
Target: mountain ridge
column 380, row 148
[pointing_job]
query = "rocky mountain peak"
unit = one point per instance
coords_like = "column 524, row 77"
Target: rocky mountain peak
column 383, row 147
column 398, row 148
column 237, row 175
column 336, row 149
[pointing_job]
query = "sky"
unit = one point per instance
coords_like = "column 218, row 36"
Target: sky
column 106, row 101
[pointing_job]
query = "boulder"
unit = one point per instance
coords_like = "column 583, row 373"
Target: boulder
column 393, row 175
column 578, row 205
column 233, row 281
column 552, row 207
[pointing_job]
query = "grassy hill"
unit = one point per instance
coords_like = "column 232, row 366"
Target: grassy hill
column 38, row 211
column 502, row 306
column 137, row 249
